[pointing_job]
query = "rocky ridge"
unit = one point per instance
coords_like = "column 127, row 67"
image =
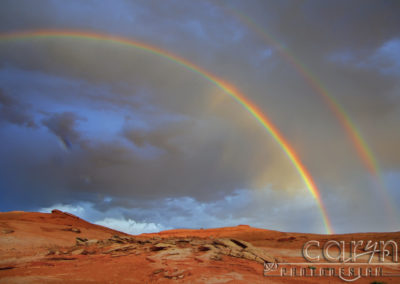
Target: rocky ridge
column 213, row 249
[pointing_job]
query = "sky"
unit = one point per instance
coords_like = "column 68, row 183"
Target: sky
column 130, row 139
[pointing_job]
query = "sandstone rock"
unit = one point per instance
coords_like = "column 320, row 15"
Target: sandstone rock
column 261, row 253
column 51, row 252
column 81, row 241
column 241, row 249
column 163, row 245
column 196, row 242
column 225, row 243
column 127, row 239
column 143, row 241
column 170, row 242
column 224, row 250
column 120, row 248
column 117, row 239
column 259, row 260
column 248, row 255
column 236, row 253
column 79, row 251
column 74, row 230
column 216, row 257
column 205, row 248
column 241, row 243
column 122, row 239
column 160, row 246
column 91, row 242
column 7, row 231
column 174, row 274
column 106, row 243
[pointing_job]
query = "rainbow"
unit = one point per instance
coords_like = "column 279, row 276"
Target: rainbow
column 354, row 134
column 227, row 88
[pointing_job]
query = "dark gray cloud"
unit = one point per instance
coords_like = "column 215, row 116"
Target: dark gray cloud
column 315, row 28
column 140, row 127
column 63, row 126
column 14, row 111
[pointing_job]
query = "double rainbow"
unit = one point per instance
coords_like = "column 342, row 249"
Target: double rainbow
column 354, row 134
column 254, row 110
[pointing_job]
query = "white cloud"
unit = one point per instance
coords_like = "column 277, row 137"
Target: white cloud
column 78, row 210
column 386, row 58
column 389, row 56
column 130, row 226
column 263, row 209
column 110, row 218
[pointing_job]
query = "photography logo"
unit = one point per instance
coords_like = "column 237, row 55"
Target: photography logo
column 348, row 261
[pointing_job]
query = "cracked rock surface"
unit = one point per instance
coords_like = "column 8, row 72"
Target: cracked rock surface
column 209, row 248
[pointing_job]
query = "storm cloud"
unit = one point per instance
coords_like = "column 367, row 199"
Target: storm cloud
column 84, row 120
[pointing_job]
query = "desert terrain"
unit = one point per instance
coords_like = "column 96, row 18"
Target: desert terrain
column 59, row 247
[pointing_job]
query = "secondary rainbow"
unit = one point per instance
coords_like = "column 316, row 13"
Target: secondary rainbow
column 227, row 88
column 361, row 146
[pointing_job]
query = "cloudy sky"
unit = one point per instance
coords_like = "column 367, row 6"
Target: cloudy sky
column 129, row 139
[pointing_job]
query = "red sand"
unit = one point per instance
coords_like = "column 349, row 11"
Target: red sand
column 42, row 248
